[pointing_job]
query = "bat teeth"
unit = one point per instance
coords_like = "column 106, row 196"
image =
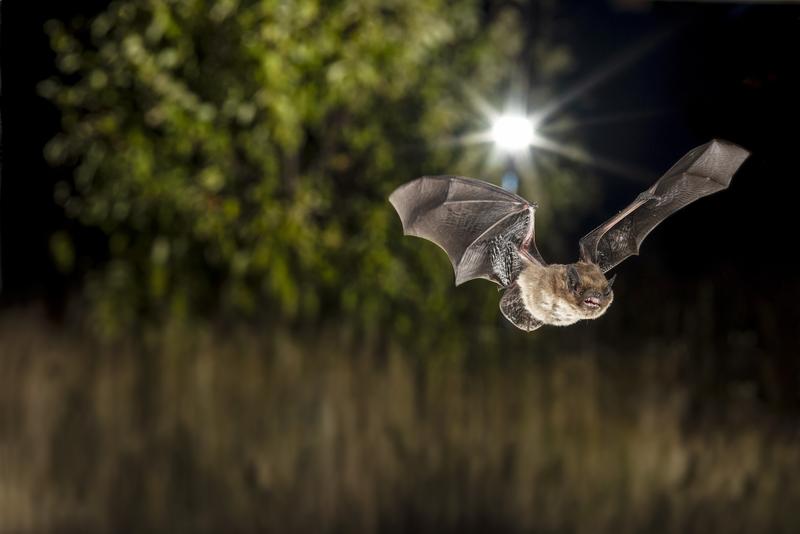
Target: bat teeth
column 592, row 302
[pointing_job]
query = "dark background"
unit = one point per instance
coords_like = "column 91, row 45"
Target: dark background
column 677, row 411
column 722, row 70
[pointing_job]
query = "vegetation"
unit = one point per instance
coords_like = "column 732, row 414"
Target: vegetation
column 237, row 156
column 200, row 432
column 273, row 356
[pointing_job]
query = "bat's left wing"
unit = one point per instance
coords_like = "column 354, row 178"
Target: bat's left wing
column 704, row 170
column 482, row 227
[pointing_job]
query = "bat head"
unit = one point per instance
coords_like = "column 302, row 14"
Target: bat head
column 588, row 291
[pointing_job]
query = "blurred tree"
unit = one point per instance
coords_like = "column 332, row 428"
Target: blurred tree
column 237, row 155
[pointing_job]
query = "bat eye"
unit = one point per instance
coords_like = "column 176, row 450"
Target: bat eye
column 573, row 279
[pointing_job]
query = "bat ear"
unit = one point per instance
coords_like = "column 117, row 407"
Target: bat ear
column 573, row 279
column 611, row 280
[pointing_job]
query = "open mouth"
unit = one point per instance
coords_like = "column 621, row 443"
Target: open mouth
column 591, row 302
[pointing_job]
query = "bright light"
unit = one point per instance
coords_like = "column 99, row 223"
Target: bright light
column 513, row 132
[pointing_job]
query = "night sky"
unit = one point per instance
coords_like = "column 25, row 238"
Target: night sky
column 718, row 70
column 677, row 411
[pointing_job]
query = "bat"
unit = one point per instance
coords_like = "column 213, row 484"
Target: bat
column 488, row 232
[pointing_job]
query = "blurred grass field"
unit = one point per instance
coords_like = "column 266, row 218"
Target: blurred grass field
column 211, row 323
column 214, row 430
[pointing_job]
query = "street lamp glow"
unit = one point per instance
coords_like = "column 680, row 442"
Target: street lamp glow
column 512, row 132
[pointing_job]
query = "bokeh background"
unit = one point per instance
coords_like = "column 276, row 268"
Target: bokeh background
column 210, row 320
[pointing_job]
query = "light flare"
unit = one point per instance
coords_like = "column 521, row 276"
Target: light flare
column 513, row 132
column 516, row 136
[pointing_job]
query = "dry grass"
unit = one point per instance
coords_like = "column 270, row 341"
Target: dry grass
column 274, row 433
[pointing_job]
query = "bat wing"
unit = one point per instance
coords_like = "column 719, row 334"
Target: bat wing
column 703, row 171
column 480, row 226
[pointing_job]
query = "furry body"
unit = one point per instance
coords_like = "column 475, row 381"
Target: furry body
column 488, row 232
column 547, row 296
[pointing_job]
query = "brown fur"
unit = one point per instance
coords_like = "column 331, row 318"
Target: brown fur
column 547, row 296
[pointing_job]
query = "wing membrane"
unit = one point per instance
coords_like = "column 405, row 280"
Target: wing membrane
column 703, row 171
column 466, row 218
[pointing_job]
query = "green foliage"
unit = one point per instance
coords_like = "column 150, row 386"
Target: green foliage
column 238, row 155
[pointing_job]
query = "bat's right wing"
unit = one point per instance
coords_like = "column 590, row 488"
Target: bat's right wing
column 703, row 171
column 481, row 226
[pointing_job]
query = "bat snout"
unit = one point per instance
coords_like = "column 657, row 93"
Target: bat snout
column 593, row 300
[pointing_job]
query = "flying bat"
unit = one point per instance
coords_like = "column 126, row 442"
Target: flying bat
column 488, row 232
